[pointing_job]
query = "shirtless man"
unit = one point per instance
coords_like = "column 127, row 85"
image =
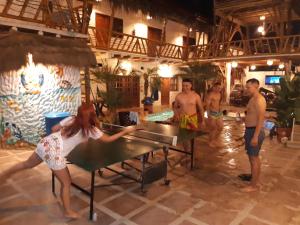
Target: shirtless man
column 215, row 115
column 254, row 133
column 187, row 105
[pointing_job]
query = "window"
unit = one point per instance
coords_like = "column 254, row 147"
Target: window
column 174, row 84
column 118, row 25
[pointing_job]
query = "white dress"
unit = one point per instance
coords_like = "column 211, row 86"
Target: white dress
column 54, row 148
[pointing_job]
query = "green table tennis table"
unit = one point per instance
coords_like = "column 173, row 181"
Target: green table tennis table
column 95, row 155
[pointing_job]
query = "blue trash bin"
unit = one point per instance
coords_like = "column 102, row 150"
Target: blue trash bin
column 54, row 118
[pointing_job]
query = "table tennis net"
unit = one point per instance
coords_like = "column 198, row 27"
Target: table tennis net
column 143, row 134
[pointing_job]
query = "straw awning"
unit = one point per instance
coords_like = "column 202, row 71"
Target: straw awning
column 15, row 46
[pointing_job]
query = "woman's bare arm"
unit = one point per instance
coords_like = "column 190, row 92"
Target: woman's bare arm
column 110, row 138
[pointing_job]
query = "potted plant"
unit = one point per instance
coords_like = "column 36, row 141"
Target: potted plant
column 107, row 95
column 286, row 105
column 200, row 74
column 154, row 84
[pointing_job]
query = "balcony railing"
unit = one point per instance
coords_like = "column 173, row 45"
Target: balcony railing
column 54, row 14
column 135, row 45
column 132, row 44
column 259, row 46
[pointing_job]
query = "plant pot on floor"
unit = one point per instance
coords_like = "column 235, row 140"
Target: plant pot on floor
column 283, row 132
column 148, row 108
column 148, row 104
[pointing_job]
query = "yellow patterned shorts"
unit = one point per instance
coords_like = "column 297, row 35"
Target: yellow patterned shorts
column 189, row 122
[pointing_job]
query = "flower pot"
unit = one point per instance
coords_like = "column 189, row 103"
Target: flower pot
column 148, row 108
column 283, row 132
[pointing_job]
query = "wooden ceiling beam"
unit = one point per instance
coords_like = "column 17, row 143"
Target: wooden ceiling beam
column 233, row 5
column 231, row 18
column 24, row 8
column 7, row 6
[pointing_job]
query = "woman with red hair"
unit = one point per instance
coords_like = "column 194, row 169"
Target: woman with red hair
column 54, row 148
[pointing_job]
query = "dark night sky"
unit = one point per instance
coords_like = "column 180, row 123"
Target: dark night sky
column 197, row 7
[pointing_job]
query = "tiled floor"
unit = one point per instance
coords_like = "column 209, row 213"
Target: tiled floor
column 207, row 195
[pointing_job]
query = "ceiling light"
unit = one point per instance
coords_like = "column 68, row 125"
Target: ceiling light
column 234, row 64
column 281, row 66
column 190, row 29
column 260, row 29
column 127, row 66
column 252, row 67
column 262, row 18
column 149, row 17
column 165, row 70
column 270, row 62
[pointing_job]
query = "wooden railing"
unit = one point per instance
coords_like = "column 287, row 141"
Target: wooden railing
column 55, row 14
column 259, row 46
column 137, row 45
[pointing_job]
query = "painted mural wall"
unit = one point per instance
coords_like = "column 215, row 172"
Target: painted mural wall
column 28, row 94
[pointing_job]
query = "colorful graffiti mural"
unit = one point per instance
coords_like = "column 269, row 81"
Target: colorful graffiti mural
column 28, row 94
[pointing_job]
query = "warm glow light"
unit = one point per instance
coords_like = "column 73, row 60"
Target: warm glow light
column 164, row 70
column 141, row 30
column 125, row 65
column 252, row 67
column 262, row 18
column 281, row 66
column 234, row 64
column 179, row 41
column 149, row 17
column 270, row 62
column 190, row 29
column 261, row 29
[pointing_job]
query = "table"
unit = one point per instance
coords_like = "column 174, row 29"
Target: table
column 96, row 155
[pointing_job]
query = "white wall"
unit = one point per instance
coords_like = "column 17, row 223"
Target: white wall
column 260, row 76
column 174, row 30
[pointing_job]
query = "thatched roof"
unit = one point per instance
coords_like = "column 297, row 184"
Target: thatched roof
column 15, row 46
column 187, row 13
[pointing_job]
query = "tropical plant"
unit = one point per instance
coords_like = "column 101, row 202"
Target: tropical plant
column 152, row 80
column 200, row 74
column 107, row 95
column 287, row 102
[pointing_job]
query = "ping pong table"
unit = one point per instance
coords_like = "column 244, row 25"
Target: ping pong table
column 95, row 155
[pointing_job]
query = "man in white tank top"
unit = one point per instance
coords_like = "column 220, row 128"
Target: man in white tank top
column 254, row 133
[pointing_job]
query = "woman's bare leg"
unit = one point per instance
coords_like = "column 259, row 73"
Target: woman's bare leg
column 64, row 177
column 31, row 162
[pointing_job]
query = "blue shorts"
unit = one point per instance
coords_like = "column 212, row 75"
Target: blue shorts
column 253, row 150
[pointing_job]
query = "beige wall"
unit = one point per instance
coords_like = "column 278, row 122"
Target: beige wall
column 174, row 30
column 260, row 76
column 137, row 66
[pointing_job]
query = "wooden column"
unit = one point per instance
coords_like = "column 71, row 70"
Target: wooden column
column 186, row 45
column 228, row 81
column 111, row 21
column 87, row 85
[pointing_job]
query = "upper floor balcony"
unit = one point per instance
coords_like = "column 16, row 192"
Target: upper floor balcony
column 63, row 17
column 263, row 47
column 121, row 42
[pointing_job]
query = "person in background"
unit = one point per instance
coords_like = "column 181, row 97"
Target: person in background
column 215, row 115
column 254, row 133
column 54, row 148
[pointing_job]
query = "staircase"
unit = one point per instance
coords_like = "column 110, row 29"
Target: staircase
column 295, row 140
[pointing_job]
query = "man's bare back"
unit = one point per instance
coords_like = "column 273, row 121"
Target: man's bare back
column 187, row 103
